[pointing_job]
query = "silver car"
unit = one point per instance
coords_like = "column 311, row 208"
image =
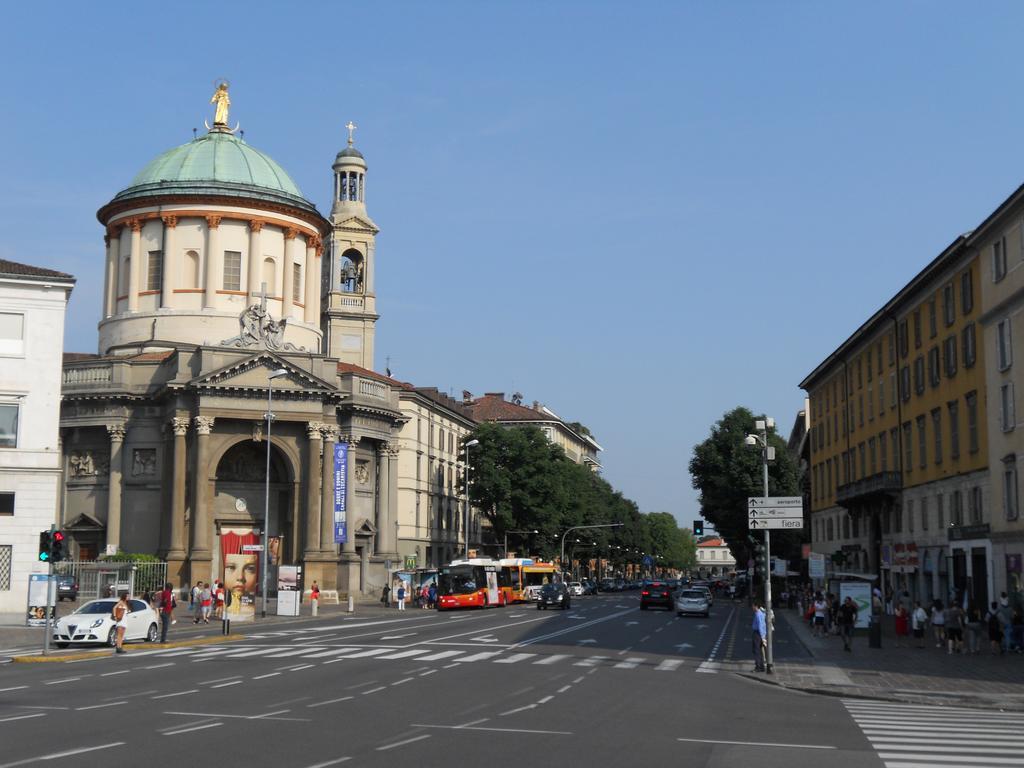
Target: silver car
column 692, row 601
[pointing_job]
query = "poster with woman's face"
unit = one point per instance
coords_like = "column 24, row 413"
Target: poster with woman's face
column 241, row 571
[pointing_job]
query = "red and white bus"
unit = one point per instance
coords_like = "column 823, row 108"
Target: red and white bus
column 469, row 583
column 522, row 577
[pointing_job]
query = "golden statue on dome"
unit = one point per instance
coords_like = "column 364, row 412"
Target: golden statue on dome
column 223, row 101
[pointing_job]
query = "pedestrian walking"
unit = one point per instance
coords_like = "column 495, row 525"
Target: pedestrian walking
column 205, row 602
column 820, row 614
column 425, row 597
column 759, row 637
column 432, row 595
column 919, row 621
column 939, row 623
column 218, row 599
column 902, row 623
column 385, row 596
column 847, row 619
column 120, row 616
column 995, row 629
column 401, row 597
column 167, row 605
column 954, row 629
column 194, row 603
column 973, row 628
column 1005, row 622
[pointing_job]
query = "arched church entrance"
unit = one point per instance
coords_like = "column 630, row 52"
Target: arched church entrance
column 240, row 491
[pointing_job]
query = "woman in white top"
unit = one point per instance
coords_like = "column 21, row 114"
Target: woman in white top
column 820, row 614
column 939, row 623
column 120, row 616
column 919, row 618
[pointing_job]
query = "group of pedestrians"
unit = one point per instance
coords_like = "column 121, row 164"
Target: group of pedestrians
column 425, row 597
column 205, row 601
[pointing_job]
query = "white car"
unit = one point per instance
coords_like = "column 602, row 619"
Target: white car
column 92, row 623
column 693, row 600
column 576, row 588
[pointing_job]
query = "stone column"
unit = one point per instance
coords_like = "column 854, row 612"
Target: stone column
column 180, row 470
column 171, row 267
column 213, row 261
column 135, row 265
column 256, row 258
column 286, row 271
column 312, row 312
column 327, row 545
column 384, row 532
column 313, row 494
column 116, row 432
column 201, row 509
column 392, row 516
column 113, row 241
column 349, row 546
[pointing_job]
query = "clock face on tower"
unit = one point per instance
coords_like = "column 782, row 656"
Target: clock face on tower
column 240, row 505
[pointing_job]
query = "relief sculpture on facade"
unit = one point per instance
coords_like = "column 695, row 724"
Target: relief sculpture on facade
column 87, row 464
column 143, row 462
column 258, row 329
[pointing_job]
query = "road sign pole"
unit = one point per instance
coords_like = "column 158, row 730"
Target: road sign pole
column 769, row 655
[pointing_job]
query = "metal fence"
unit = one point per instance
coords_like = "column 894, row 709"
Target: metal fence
column 102, row 578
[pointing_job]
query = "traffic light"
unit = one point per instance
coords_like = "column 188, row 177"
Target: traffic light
column 698, row 527
column 57, row 546
column 760, row 562
column 44, row 546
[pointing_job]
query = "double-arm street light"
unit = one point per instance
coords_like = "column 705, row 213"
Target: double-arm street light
column 469, row 444
column 767, row 454
column 505, row 548
column 266, row 495
column 561, row 561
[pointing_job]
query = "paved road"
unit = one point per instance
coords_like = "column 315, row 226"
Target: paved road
column 603, row 683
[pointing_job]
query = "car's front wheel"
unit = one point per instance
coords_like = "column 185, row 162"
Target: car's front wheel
column 112, row 637
column 152, row 633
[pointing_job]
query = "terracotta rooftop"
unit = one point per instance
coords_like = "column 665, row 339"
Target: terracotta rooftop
column 494, row 407
column 715, row 542
column 360, row 371
column 14, row 269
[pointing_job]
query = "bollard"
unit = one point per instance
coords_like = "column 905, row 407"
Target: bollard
column 314, row 605
column 351, row 604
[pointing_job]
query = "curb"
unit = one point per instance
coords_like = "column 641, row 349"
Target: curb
column 923, row 697
column 101, row 654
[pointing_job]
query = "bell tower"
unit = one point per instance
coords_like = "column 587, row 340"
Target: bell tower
column 350, row 313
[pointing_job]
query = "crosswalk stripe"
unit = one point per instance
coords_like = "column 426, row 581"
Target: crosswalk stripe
column 591, row 661
column 333, row 652
column 997, row 741
column 669, row 665
column 630, row 662
column 515, row 657
column 364, row 654
column 481, row 656
column 295, row 652
column 961, row 733
column 552, row 659
column 405, row 654
column 438, row 656
column 257, row 652
column 957, row 759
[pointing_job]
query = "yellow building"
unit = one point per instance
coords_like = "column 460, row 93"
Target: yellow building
column 898, row 440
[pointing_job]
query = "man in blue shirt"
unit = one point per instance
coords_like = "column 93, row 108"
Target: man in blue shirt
column 760, row 636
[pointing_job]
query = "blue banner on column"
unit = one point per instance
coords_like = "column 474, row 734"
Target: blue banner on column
column 340, row 492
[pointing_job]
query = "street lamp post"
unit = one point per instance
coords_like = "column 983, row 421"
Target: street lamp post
column 505, row 548
column 561, row 561
column 266, row 495
column 469, row 444
column 767, row 453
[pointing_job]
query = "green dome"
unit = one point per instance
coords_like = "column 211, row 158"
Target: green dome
column 218, row 163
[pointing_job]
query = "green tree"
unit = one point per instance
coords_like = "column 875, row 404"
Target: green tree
column 675, row 545
column 726, row 472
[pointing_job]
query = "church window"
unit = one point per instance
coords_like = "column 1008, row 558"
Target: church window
column 154, row 270
column 190, row 278
column 270, row 274
column 12, row 333
column 9, row 425
column 125, row 274
column 232, row 270
column 296, row 282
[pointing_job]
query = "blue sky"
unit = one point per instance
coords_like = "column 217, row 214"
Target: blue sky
column 640, row 214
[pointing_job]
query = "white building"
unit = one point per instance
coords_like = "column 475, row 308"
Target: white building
column 714, row 558
column 32, row 306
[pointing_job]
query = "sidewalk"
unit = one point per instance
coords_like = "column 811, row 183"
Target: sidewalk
column 15, row 636
column 908, row 674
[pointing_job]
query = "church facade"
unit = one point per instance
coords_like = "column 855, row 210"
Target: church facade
column 224, row 287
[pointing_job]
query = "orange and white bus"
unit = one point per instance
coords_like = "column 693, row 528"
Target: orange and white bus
column 469, row 583
column 522, row 577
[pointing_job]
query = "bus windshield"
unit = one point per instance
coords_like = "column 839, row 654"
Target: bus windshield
column 458, row 580
column 537, row 578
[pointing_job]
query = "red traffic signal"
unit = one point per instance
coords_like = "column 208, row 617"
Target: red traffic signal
column 58, row 536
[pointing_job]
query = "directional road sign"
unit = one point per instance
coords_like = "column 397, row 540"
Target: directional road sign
column 776, row 523
column 760, row 512
column 776, row 502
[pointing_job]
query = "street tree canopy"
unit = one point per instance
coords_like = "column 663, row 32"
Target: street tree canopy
column 727, row 472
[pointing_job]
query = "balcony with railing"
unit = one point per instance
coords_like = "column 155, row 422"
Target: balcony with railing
column 880, row 485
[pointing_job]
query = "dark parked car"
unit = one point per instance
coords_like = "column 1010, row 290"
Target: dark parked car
column 655, row 593
column 554, row 594
column 67, row 588
column 589, row 587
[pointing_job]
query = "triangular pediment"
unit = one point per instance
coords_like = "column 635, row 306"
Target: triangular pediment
column 359, row 224
column 366, row 528
column 84, row 522
column 253, row 372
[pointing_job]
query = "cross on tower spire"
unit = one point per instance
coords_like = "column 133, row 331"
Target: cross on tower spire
column 351, row 130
